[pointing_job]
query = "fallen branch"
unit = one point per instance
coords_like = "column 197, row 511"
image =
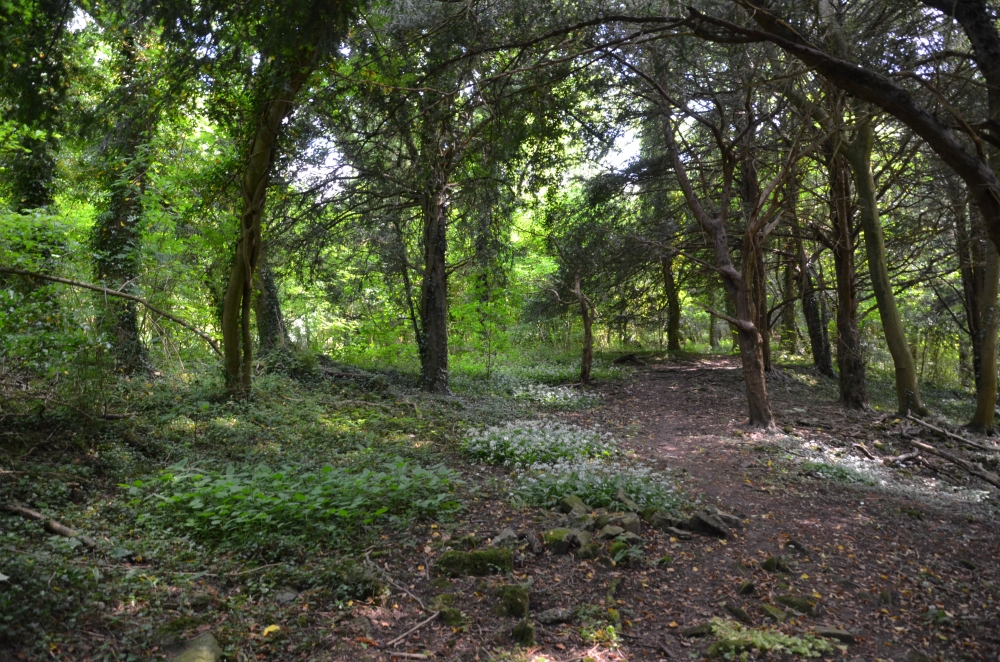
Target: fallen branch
column 899, row 459
column 867, row 453
column 952, row 435
column 121, row 295
column 413, row 656
column 413, row 629
column 51, row 525
column 971, row 467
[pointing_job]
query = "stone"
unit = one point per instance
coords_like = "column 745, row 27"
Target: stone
column 618, row 549
column 513, row 601
column 582, row 522
column 706, row 523
column 631, row 538
column 776, row 564
column 588, row 552
column 803, row 605
column 573, row 504
column 534, row 542
column 700, row 630
column 839, row 634
column 649, row 513
column 677, row 533
column 203, row 648
column 478, row 563
column 738, row 613
column 286, row 597
column 795, row 546
column 630, row 522
column 581, row 538
column 555, row 616
column 560, row 541
column 524, row 633
column 732, row 521
column 776, row 614
column 610, row 532
column 624, row 499
column 747, row 588
column 662, row 522
column 506, row 538
column 451, row 617
column 358, row 626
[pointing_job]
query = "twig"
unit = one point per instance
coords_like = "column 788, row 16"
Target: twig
column 899, row 459
column 389, row 579
column 861, row 447
column 246, row 572
column 413, row 629
column 121, row 295
column 971, row 467
column 415, row 656
column 51, row 525
column 963, row 440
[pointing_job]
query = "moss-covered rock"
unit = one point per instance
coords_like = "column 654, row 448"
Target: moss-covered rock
column 774, row 613
column 513, row 601
column 449, row 615
column 524, row 633
column 573, row 504
column 776, row 564
column 618, row 547
column 479, row 563
column 588, row 552
column 560, row 541
column 803, row 605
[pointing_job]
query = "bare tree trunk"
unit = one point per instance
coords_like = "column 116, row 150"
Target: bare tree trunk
column 236, row 333
column 986, row 393
column 673, row 304
column 853, row 394
column 753, row 270
column 789, row 325
column 587, row 317
column 859, row 154
column 433, row 339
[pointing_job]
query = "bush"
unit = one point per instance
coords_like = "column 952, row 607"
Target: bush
column 597, row 484
column 213, row 504
column 526, row 443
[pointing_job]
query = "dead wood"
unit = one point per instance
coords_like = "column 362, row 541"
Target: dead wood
column 51, row 525
column 970, row 467
column 952, row 435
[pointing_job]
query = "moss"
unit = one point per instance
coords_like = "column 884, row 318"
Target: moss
column 589, row 551
column 618, row 547
column 774, row 613
column 513, row 601
column 776, row 564
column 802, row 605
column 451, row 616
column 479, row 563
column 524, row 633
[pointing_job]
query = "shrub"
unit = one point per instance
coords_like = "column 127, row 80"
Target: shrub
column 526, row 443
column 213, row 504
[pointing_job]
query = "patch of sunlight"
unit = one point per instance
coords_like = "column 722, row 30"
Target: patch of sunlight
column 221, row 422
column 181, row 424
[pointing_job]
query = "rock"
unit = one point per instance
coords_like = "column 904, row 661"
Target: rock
column 732, row 521
column 513, row 601
column 203, row 648
column 610, row 531
column 774, row 613
column 662, row 522
column 506, row 538
column 916, row 656
column 630, row 522
column 581, row 537
column 706, row 523
column 555, row 616
column 582, row 522
column 738, row 613
column 649, row 513
column 587, row 552
column 624, row 499
column 776, row 564
column 840, row 635
column 631, row 538
column 677, row 533
column 602, row 521
column 573, row 504
column 795, row 546
column 448, row 614
column 479, row 563
column 618, row 550
column 285, row 597
column 359, row 626
column 807, row 606
column 534, row 542
column 524, row 633
column 747, row 588
column 560, row 541
column 701, row 630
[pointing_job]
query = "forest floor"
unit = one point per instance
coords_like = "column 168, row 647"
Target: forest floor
column 888, row 561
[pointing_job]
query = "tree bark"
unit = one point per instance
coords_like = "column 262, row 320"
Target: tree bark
column 859, row 154
column 789, row 325
column 986, row 392
column 236, row 333
column 673, row 304
column 433, row 340
column 587, row 317
column 850, row 362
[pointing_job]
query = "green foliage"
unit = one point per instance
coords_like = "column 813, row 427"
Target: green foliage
column 527, row 443
column 735, row 639
column 218, row 505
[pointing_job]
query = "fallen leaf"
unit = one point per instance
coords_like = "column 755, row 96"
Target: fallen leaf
column 270, row 629
column 673, row 624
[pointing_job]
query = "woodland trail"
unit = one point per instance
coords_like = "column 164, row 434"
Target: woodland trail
column 908, row 576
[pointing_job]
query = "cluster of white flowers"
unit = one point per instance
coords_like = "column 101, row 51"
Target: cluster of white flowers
column 527, row 444
column 555, row 396
column 597, row 482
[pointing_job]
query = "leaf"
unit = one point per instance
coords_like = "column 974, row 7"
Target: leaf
column 270, row 629
column 3, row 577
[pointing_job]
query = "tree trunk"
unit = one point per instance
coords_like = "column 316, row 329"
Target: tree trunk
column 713, row 331
column 859, row 154
column 433, row 340
column 986, row 393
column 853, row 394
column 236, row 334
column 789, row 326
column 673, row 304
column 971, row 247
column 587, row 317
column 753, row 271
column 271, row 332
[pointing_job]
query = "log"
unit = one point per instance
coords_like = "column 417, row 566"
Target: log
column 970, row 467
column 51, row 525
column 952, row 435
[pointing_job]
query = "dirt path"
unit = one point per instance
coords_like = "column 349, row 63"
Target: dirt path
column 905, row 575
